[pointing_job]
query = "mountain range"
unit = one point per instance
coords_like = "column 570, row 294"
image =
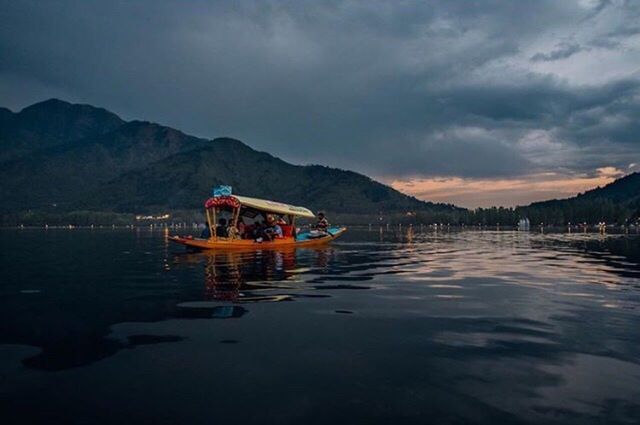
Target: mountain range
column 617, row 202
column 72, row 157
column 59, row 158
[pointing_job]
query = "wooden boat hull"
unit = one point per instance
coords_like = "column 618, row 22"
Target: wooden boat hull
column 249, row 244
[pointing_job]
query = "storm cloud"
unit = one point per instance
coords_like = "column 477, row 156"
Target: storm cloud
column 488, row 89
column 563, row 51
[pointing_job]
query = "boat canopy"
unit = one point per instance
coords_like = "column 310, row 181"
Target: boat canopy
column 274, row 207
column 234, row 201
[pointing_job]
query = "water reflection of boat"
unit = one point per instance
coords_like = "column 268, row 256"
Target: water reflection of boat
column 228, row 276
column 234, row 210
column 250, row 276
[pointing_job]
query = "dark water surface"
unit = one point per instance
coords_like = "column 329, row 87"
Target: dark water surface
column 106, row 326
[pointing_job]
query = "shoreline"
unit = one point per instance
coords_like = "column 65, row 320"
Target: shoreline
column 592, row 228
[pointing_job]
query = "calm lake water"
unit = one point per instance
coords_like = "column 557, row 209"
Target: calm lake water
column 106, row 326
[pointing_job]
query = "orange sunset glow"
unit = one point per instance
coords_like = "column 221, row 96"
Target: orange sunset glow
column 473, row 193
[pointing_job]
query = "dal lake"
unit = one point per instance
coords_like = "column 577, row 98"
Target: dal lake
column 382, row 326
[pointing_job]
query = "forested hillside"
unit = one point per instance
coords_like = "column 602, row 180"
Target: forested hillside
column 59, row 157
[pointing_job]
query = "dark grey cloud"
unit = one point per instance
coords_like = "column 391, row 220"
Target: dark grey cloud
column 597, row 7
column 612, row 39
column 562, row 51
column 619, row 30
column 473, row 89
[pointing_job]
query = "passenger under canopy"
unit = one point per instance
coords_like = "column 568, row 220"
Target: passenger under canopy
column 244, row 206
column 241, row 222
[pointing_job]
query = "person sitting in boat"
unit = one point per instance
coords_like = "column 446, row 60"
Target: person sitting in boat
column 236, row 232
column 257, row 229
column 284, row 225
column 272, row 229
column 322, row 224
column 206, row 232
column 241, row 227
column 221, row 228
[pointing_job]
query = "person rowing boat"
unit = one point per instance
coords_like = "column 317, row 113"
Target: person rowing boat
column 323, row 223
column 321, row 228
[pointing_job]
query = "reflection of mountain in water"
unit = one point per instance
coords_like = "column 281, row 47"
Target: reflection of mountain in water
column 71, row 312
column 232, row 277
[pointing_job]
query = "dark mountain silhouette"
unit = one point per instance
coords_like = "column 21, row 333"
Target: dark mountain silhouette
column 82, row 157
column 67, row 173
column 180, row 181
column 624, row 189
column 51, row 123
column 617, row 202
column 5, row 115
column 60, row 158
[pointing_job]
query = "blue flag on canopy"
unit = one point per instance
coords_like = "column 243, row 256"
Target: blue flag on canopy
column 221, row 191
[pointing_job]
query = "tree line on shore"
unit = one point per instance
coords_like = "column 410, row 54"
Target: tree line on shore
column 69, row 164
column 584, row 211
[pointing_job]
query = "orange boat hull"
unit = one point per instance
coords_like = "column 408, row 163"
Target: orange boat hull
column 225, row 244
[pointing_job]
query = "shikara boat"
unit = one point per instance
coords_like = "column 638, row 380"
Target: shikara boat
column 240, row 208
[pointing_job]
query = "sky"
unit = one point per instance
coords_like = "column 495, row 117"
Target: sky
column 476, row 103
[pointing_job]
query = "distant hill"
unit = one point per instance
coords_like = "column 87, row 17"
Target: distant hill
column 181, row 181
column 49, row 124
column 616, row 202
column 68, row 160
column 77, row 157
column 624, row 189
column 69, row 172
